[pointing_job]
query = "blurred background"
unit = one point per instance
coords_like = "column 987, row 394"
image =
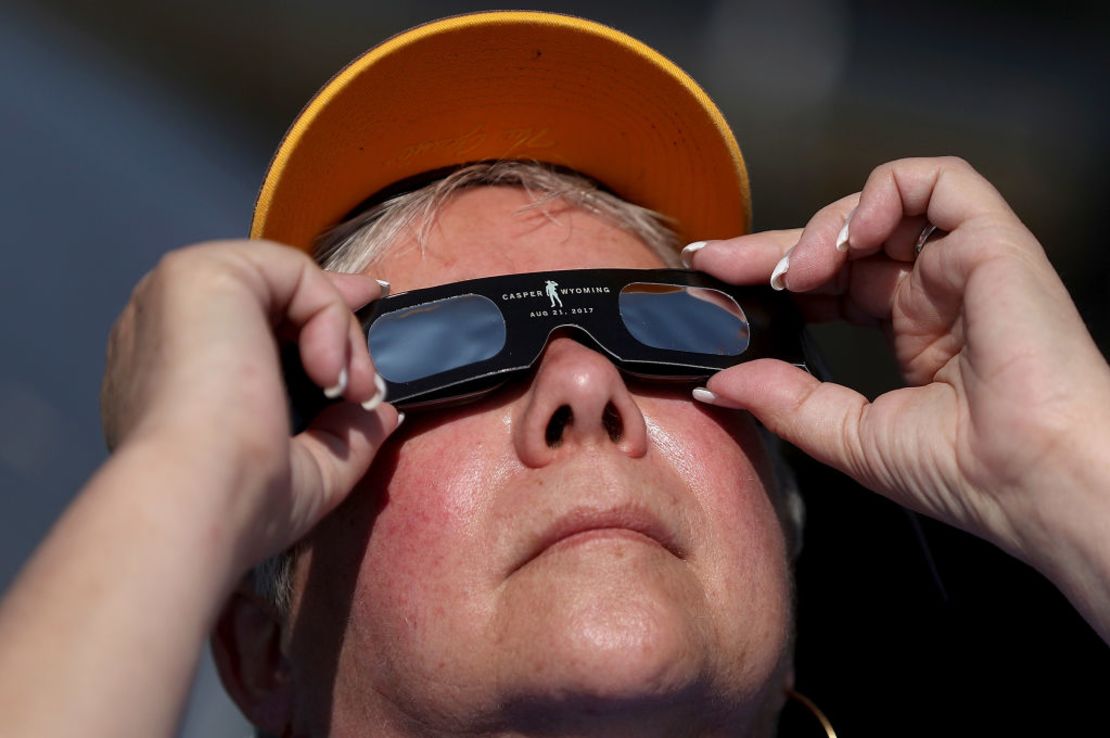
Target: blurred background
column 129, row 127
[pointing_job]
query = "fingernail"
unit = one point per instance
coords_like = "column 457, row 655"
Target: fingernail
column 923, row 237
column 379, row 395
column 842, row 237
column 778, row 276
column 701, row 394
column 385, row 288
column 689, row 251
column 339, row 387
column 400, row 419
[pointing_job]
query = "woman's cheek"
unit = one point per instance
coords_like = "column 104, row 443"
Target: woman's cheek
column 428, row 543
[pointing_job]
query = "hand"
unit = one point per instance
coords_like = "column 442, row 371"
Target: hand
column 1000, row 429
column 193, row 368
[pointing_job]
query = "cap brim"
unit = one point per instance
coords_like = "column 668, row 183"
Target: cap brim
column 508, row 85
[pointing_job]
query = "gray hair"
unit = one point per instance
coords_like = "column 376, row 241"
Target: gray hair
column 356, row 244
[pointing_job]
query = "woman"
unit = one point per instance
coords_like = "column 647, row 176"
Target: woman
column 992, row 419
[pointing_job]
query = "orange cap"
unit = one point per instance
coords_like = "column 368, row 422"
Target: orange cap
column 508, row 85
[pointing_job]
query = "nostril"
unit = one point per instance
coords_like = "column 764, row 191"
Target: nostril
column 560, row 419
column 611, row 420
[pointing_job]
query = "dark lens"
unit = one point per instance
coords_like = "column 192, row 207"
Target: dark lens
column 427, row 339
column 697, row 320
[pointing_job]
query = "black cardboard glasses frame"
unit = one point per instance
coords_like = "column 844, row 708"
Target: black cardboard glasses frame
column 583, row 303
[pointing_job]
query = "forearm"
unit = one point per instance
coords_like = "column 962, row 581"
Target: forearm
column 100, row 634
column 1068, row 537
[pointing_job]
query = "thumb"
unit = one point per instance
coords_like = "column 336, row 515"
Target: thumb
column 330, row 456
column 820, row 418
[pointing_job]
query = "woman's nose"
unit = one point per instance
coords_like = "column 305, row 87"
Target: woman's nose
column 577, row 399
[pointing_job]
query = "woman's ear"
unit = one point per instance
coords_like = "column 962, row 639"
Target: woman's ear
column 247, row 647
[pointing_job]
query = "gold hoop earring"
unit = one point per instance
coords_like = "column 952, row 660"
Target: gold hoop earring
column 807, row 703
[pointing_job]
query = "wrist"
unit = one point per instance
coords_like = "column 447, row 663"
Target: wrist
column 1066, row 532
column 180, row 496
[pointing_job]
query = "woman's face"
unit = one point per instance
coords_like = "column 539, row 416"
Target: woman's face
column 577, row 552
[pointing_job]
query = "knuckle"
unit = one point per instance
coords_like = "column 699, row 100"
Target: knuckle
column 952, row 161
column 909, row 165
column 887, row 171
column 122, row 326
column 177, row 266
column 177, row 260
column 216, row 265
column 139, row 294
column 881, row 170
column 207, row 256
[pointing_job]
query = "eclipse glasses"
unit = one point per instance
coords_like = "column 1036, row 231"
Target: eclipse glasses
column 456, row 342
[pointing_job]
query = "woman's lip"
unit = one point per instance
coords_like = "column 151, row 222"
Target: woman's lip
column 592, row 534
column 582, row 524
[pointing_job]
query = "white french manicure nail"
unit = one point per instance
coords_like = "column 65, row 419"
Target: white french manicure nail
column 689, row 251
column 778, row 277
column 339, row 387
column 922, row 238
column 701, row 394
column 379, row 395
column 384, row 286
column 842, row 237
column 400, row 419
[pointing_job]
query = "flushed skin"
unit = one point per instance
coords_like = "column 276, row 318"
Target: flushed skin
column 456, row 611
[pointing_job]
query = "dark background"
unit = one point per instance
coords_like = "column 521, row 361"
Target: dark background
column 128, row 128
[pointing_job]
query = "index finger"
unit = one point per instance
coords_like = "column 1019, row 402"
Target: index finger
column 748, row 259
column 356, row 290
